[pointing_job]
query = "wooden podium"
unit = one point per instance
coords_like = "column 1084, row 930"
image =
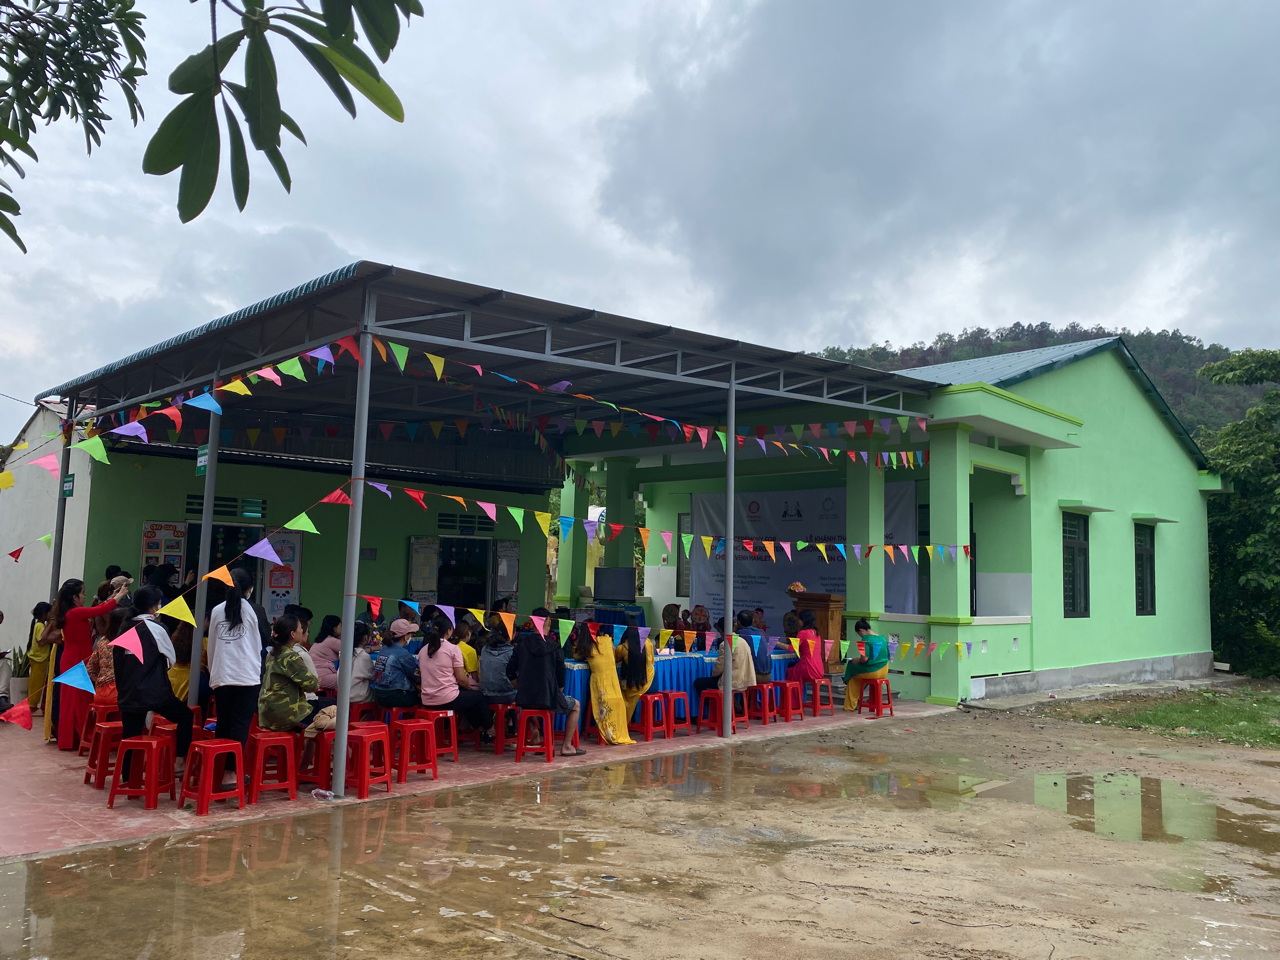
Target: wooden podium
column 828, row 608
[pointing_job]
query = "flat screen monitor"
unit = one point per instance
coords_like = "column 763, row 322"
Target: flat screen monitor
column 615, row 584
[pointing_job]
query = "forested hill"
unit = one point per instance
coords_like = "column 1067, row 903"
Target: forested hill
column 1170, row 359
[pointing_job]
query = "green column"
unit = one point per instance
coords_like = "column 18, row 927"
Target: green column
column 864, row 524
column 620, row 507
column 571, row 568
column 949, row 580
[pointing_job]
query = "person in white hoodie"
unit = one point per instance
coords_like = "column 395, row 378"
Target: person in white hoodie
column 235, row 662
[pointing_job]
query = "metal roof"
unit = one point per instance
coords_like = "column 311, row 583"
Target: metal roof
column 1009, row 369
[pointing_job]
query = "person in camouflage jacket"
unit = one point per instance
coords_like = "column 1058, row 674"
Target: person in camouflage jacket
column 283, row 704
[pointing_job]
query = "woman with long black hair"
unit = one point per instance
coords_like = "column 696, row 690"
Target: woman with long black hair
column 38, row 654
column 142, row 686
column 74, row 621
column 636, row 657
column 445, row 682
column 235, row 661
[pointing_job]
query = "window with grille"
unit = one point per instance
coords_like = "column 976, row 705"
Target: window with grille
column 228, row 508
column 1075, row 565
column 463, row 524
column 1144, row 561
column 684, row 524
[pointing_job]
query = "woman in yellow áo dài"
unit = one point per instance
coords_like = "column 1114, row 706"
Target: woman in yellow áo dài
column 636, row 656
column 606, row 696
column 872, row 665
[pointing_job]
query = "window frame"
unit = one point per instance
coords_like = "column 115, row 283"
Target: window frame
column 1076, row 551
column 1144, row 570
column 684, row 524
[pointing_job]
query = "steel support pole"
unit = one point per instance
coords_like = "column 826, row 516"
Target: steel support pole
column 351, row 579
column 731, row 451
column 202, row 566
column 60, row 524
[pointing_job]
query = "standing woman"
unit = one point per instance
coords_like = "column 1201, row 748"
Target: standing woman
column 74, row 620
column 606, row 696
column 38, row 654
column 636, row 658
column 143, row 687
column 445, row 682
column 235, row 661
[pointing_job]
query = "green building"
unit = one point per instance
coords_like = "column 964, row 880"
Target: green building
column 1045, row 510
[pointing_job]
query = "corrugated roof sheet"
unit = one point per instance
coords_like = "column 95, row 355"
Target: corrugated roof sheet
column 1010, row 368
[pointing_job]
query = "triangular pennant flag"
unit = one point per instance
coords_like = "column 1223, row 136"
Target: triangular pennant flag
column 49, row 462
column 267, row 373
column 436, row 426
column 749, row 544
column 95, row 448
column 412, row 430
column 236, row 386
column 795, row 645
column 968, row 649
column 462, row 503
column 461, row 424
column 888, row 548
column 590, row 526
column 723, row 437
column 130, row 641
column 690, row 638
column 886, row 424
column 477, row 613
column 418, row 496
column 47, row 540
column 509, row 621
column 857, row 552
column 664, row 637
column 786, row 547
column 544, row 521
column 348, row 345
column 915, row 554
column 566, row 630
column 401, row 353
column 302, row 522
column 844, row 648
column 822, row 549
column 706, row 545
column 293, row 367
column 178, row 609
column 644, row 537
column 801, row 544
column 490, row 509
column 253, row 433
column 566, row 524
column 321, row 353
column 381, row 348
column 412, row 605
column 263, row 550
column 615, row 529
column 385, row 429
column 517, row 514
column 279, row 434
column 768, row 546
column 666, row 538
column 597, row 426
column 840, row 547
column 449, row 612
column 174, row 414
column 338, row 496
column 903, row 424
column 816, row 430
column 687, row 540
column 375, row 604
column 905, row 552
column 915, row 652
column 222, row 573
column 437, row 364
column 593, row 629
column 618, row 630
column 703, row 434
column 204, row 401
column 16, row 553
column 540, row 624
column 906, row 647
column 953, row 552
column 6, row 479
column 77, row 676
column 923, row 424
column 966, row 551
column 19, row 714
column 932, row 647
column 960, row 650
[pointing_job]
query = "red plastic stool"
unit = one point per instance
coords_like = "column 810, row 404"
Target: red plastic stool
column 523, row 729
column 443, row 746
column 362, row 771
column 816, row 703
column 651, row 705
column 416, row 748
column 762, row 703
column 880, row 697
column 390, row 714
column 205, row 763
column 673, row 723
column 364, row 711
column 106, row 737
column 148, row 778
column 790, row 699
column 715, row 697
column 320, row 770
column 265, row 746
column 500, row 714
column 98, row 713
column 591, row 726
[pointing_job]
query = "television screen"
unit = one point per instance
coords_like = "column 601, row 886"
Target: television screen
column 615, row 584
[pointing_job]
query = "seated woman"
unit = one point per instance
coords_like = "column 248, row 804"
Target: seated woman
column 394, row 680
column 361, row 665
column 537, row 667
column 872, row 665
column 811, row 665
column 326, row 650
column 445, row 682
column 286, row 681
column 470, row 656
column 637, row 672
column 180, row 672
column 101, row 664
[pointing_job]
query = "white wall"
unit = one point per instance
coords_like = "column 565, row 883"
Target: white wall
column 28, row 510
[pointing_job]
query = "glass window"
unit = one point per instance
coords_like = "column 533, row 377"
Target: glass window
column 1075, row 565
column 1144, row 562
column 684, row 524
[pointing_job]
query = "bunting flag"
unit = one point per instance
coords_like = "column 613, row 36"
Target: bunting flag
column 590, row 527
column 78, row 677
column 857, row 552
column 302, row 522
column 644, row 537
column 566, row 630
column 381, row 348
column 130, row 641
column 20, row 715
column 263, row 550
column 279, row 434
column 437, row 364
column 449, row 613
column 222, row 573
column 517, row 514
column 540, row 624
column 664, row 637
column 953, row 553
column 768, row 546
column 375, row 604
column 888, row 548
column 687, row 540
column 461, row 502
column 566, row 524
column 478, row 614
column 47, row 540
column 618, row 630
column 915, row 554
column 840, row 547
column 461, row 424
column 253, row 433
column 509, row 621
column 267, row 374
column 178, row 609
column 6, row 479
column 16, row 553
column 401, row 353
column 906, row 553
column 338, row 496
column 204, row 401
column 968, row 648
column 786, row 548
column 906, row 647
column 236, row 386
column 94, row 447
column 436, row 426
column 666, row 538
column 544, row 521
column 615, row 529
column 418, row 496
column 48, row 462
column 293, row 367
column 321, row 353
column 706, row 545
column 491, row 510
column 966, row 551
column 822, row 549
column 960, row 650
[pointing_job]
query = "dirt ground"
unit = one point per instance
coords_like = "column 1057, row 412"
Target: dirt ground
column 969, row 835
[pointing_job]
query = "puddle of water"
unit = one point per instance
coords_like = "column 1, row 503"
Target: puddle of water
column 508, row 867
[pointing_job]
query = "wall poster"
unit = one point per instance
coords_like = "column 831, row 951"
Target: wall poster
column 424, row 569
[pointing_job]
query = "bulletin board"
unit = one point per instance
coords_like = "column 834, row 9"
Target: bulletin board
column 506, row 576
column 164, row 542
column 424, row 569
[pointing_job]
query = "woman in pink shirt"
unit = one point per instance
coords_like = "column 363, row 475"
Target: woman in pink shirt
column 445, row 682
column 324, row 652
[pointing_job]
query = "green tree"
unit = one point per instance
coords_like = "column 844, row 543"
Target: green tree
column 62, row 58
column 1244, row 528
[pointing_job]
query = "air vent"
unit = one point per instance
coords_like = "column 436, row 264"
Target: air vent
column 228, row 508
column 463, row 524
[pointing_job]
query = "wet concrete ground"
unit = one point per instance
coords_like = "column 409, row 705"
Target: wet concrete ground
column 874, row 843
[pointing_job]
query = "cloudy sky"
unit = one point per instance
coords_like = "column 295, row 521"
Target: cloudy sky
column 792, row 172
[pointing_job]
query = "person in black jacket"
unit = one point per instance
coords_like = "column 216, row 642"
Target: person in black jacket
column 143, row 686
column 537, row 669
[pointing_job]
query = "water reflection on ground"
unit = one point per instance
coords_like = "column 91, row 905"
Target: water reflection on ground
column 399, row 877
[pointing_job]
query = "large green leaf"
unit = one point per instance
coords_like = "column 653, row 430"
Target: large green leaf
column 381, row 25
column 9, row 205
column 281, row 168
column 200, row 166
column 411, row 8
column 6, row 225
column 311, row 52
column 343, row 45
column 18, row 143
column 167, row 149
column 337, row 16
column 239, row 159
column 196, row 72
column 376, row 91
column 262, row 112
column 291, row 125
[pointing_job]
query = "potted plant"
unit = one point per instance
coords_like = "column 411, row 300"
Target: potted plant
column 21, row 672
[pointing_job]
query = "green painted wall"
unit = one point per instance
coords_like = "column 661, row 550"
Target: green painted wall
column 136, row 489
column 1129, row 462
